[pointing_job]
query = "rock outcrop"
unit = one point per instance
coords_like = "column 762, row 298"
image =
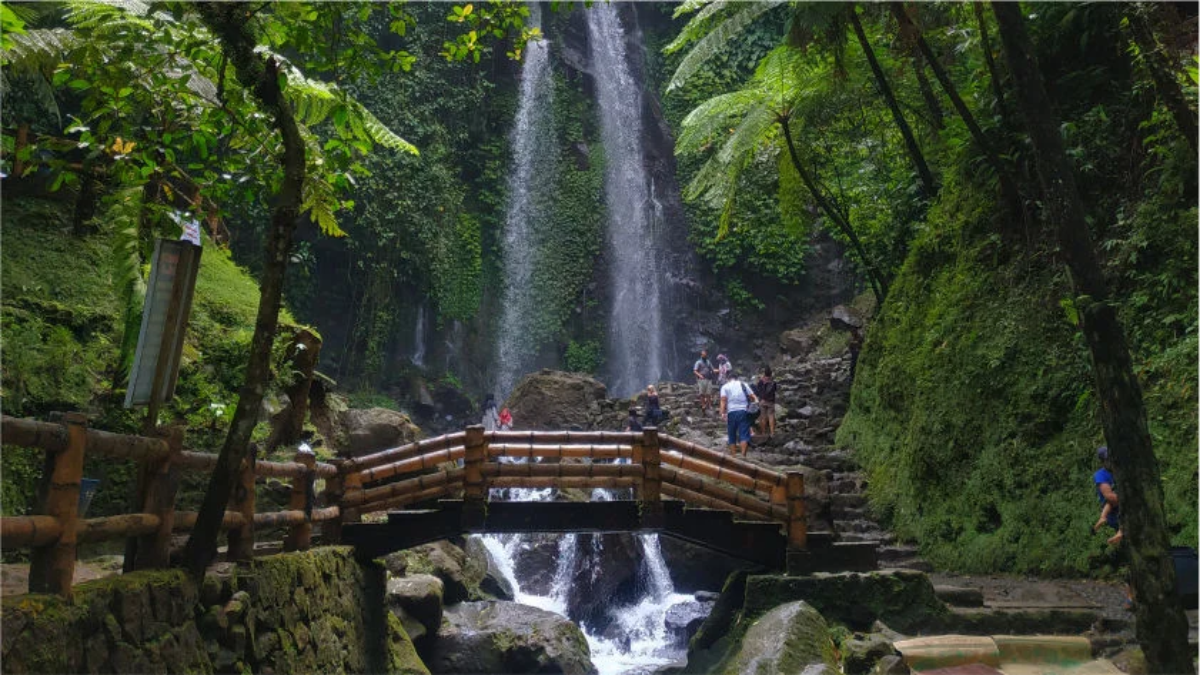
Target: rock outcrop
column 506, row 637
column 555, row 400
column 788, row 639
column 417, row 601
column 363, row 431
column 460, row 573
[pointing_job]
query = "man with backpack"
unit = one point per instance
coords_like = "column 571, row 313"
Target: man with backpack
column 705, row 375
column 739, row 407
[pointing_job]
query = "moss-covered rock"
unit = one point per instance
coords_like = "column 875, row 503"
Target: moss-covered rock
column 506, row 637
column 901, row 598
column 417, row 601
column 317, row 611
column 787, row 639
column 460, row 573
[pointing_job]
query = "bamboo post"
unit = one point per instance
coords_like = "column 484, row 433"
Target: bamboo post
column 352, row 487
column 335, row 490
column 797, row 526
column 52, row 567
column 241, row 539
column 651, row 480
column 154, row 549
column 299, row 537
column 474, row 485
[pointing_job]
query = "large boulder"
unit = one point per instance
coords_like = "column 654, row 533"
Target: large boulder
column 788, row 639
column 417, row 601
column 860, row 653
column 506, row 637
column 797, row 342
column 494, row 583
column 553, row 400
column 604, row 576
column 537, row 557
column 683, row 619
column 372, row 429
column 460, row 574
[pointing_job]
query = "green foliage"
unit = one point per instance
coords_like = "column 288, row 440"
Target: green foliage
column 584, row 357
column 371, row 399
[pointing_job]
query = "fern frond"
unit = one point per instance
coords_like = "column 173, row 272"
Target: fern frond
column 379, row 132
column 122, row 213
column 38, row 50
column 696, row 26
column 689, row 6
column 718, row 38
column 108, row 17
column 713, row 118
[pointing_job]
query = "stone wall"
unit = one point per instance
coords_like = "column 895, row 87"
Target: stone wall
column 316, row 611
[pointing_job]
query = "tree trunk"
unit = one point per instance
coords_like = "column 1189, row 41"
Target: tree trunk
column 1161, row 625
column 910, row 142
column 931, row 102
column 878, row 286
column 261, row 76
column 986, row 45
column 1163, row 76
column 288, row 424
column 1008, row 188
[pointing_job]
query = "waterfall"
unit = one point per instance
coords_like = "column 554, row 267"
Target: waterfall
column 418, row 357
column 636, row 339
column 528, row 187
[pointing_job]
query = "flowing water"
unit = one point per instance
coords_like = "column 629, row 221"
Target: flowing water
column 643, row 644
column 418, row 356
column 636, row 352
column 533, row 155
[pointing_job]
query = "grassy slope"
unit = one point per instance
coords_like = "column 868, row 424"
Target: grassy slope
column 974, row 417
column 62, row 332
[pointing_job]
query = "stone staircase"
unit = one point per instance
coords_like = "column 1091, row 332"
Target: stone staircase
column 812, row 398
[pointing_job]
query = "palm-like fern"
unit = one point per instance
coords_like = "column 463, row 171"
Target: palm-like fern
column 748, row 125
column 713, row 40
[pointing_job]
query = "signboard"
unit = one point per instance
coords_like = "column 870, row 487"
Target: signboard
column 164, row 320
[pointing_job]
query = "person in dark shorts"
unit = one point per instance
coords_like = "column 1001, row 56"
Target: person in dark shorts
column 735, row 402
column 1106, row 492
column 765, row 389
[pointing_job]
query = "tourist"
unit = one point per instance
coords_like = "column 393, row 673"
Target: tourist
column 723, row 368
column 1110, row 508
column 856, row 343
column 765, row 390
column 632, row 423
column 735, row 404
column 705, row 375
column 491, row 419
column 654, row 413
column 505, row 420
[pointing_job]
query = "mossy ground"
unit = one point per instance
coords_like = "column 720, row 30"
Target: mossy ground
column 62, row 330
column 973, row 408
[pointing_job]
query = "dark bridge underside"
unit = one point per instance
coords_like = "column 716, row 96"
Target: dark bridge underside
column 761, row 543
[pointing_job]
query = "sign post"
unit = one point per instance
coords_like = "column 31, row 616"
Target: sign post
column 155, row 369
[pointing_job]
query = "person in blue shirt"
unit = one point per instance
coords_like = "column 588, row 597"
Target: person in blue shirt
column 1110, row 508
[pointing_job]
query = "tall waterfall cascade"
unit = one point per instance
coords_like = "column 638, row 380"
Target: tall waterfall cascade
column 533, row 152
column 636, row 344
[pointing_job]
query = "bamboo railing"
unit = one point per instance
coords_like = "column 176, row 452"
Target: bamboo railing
column 465, row 464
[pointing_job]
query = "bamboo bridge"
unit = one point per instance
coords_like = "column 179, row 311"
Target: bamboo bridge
column 430, row 489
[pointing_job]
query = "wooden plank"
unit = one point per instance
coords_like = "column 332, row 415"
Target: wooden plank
column 727, row 495
column 720, row 459
column 425, row 462
column 400, row 488
column 45, row 436
column 542, row 437
column 116, row 527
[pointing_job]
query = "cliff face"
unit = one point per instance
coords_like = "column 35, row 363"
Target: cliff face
column 973, row 410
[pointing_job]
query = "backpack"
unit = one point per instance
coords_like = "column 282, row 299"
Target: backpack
column 753, row 410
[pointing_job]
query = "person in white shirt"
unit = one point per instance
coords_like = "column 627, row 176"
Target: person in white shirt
column 735, row 399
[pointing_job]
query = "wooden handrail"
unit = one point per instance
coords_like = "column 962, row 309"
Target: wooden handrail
column 720, row 459
column 658, row 465
column 585, row 437
column 424, row 462
column 403, row 452
column 730, row 496
column 530, row 450
column 565, row 470
column 402, row 487
column 696, row 465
